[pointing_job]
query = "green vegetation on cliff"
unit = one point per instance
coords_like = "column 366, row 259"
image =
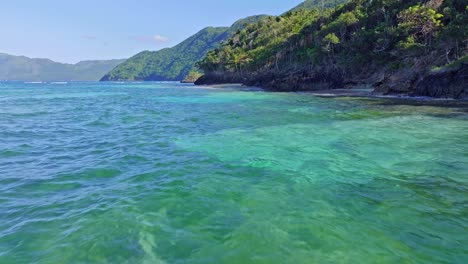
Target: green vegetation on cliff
column 320, row 4
column 387, row 43
column 174, row 64
column 20, row 68
column 192, row 77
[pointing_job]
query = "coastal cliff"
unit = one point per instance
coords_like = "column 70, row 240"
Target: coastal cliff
column 447, row 83
column 396, row 48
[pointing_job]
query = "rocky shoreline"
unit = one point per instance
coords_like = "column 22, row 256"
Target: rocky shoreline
column 449, row 82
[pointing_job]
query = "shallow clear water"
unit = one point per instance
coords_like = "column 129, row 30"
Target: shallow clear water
column 169, row 173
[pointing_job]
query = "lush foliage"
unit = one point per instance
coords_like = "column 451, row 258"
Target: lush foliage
column 419, row 22
column 192, row 76
column 258, row 42
column 321, row 4
column 347, row 39
column 21, row 68
column 174, row 64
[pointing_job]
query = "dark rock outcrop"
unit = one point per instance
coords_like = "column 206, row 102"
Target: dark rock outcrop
column 285, row 81
column 446, row 83
column 400, row 82
column 219, row 78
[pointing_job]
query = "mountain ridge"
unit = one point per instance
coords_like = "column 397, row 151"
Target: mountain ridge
column 23, row 68
column 175, row 63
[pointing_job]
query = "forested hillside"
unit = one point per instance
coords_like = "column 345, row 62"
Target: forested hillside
column 393, row 46
column 174, row 64
column 320, row 4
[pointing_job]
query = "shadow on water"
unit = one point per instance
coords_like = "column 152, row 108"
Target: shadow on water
column 446, row 103
column 443, row 108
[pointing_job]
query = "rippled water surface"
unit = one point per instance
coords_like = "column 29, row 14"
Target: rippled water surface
column 169, row 173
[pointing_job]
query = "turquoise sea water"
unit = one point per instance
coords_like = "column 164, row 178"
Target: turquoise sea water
column 169, row 173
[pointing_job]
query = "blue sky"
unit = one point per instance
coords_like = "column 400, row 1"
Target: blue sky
column 74, row 30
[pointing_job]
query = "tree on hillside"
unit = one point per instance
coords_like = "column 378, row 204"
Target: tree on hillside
column 420, row 22
column 330, row 41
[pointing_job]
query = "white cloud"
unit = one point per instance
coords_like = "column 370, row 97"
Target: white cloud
column 159, row 38
column 156, row 39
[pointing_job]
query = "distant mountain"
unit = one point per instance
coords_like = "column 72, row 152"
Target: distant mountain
column 174, row 64
column 310, row 4
column 20, row 68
